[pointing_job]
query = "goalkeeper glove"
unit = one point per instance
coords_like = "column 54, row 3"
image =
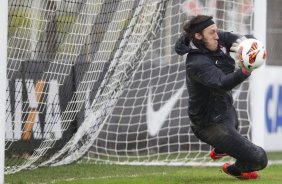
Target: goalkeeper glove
column 235, row 45
column 239, row 64
column 234, row 52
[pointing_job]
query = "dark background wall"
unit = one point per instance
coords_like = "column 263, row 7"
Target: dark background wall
column 274, row 32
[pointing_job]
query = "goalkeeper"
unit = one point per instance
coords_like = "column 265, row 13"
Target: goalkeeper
column 210, row 77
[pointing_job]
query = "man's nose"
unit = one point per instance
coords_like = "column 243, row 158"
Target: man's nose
column 216, row 36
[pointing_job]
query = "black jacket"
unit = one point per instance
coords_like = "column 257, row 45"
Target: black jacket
column 210, row 77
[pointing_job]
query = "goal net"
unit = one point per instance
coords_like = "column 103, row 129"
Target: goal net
column 100, row 80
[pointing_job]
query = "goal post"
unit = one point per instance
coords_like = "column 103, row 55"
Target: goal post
column 100, row 80
column 3, row 81
column 258, row 84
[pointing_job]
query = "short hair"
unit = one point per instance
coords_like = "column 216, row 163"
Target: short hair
column 196, row 24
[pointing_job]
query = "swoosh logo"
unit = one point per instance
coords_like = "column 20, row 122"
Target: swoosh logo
column 156, row 119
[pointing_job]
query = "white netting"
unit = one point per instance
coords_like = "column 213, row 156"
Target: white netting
column 149, row 124
column 101, row 79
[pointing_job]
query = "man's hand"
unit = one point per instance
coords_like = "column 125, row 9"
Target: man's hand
column 239, row 64
column 235, row 45
column 234, row 52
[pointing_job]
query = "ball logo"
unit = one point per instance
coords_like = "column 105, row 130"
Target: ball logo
column 253, row 52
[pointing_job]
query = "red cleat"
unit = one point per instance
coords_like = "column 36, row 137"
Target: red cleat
column 216, row 156
column 243, row 175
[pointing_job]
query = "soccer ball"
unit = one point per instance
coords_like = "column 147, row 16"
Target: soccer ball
column 252, row 53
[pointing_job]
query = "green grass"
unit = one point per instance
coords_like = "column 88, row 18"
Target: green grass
column 112, row 174
column 85, row 173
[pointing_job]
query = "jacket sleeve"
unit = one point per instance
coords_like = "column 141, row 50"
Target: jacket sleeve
column 202, row 69
column 227, row 38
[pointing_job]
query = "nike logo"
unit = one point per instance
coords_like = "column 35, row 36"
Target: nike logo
column 156, row 119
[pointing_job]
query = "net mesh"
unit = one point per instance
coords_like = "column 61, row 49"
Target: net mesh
column 100, row 80
column 149, row 124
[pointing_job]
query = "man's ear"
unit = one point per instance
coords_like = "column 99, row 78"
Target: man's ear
column 198, row 36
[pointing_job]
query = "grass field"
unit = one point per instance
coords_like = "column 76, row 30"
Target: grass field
column 83, row 173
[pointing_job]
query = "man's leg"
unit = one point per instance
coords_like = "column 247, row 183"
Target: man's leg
column 227, row 139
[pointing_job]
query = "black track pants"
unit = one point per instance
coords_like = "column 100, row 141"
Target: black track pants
column 225, row 137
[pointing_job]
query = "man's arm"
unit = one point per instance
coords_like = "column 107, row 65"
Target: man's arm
column 205, row 72
column 228, row 38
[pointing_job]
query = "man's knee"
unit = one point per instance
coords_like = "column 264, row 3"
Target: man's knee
column 260, row 159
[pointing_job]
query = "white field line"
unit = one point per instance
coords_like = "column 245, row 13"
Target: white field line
column 113, row 176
